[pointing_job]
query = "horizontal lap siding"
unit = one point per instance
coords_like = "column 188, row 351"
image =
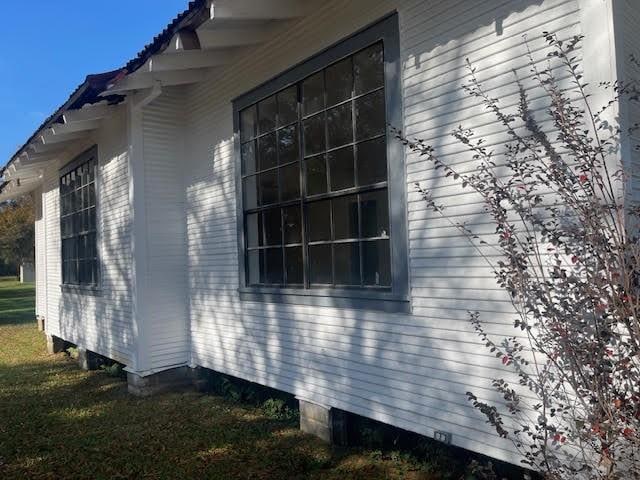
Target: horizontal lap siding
column 165, row 297
column 630, row 35
column 408, row 370
column 100, row 323
column 51, row 212
column 40, row 255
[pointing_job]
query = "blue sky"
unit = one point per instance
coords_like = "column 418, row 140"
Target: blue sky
column 49, row 47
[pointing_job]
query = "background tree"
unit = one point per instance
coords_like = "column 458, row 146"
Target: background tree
column 17, row 234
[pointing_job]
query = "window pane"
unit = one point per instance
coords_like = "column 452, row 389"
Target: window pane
column 84, row 276
column 92, row 219
column 374, row 208
column 92, row 250
column 376, row 263
column 345, row 217
column 82, row 246
column 339, row 78
column 80, row 174
column 313, row 94
column 268, row 187
column 254, row 230
column 72, row 201
column 73, row 248
column 316, row 175
column 267, row 151
column 92, row 170
column 272, row 227
column 249, row 164
column 267, row 115
column 372, row 162
column 320, row 264
column 346, row 263
column 319, row 221
column 292, row 221
column 85, row 174
column 68, row 249
column 314, row 138
column 248, row 123
column 339, row 126
column 370, row 116
column 288, row 106
column 94, row 272
column 290, row 182
column 73, row 271
column 92, row 194
column 66, row 273
column 255, row 270
column 250, row 192
column 293, row 264
column 369, row 69
column 77, row 222
column 64, row 204
column 341, row 168
column 288, row 144
column 274, row 266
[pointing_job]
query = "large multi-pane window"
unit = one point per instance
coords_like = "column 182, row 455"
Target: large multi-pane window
column 315, row 181
column 78, row 221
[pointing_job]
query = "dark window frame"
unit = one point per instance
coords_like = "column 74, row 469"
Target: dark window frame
column 395, row 298
column 89, row 155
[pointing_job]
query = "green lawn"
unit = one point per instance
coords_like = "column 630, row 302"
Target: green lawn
column 57, row 421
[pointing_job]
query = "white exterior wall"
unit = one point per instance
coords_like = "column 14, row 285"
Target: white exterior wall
column 628, row 35
column 165, row 329
column 40, row 255
column 411, row 371
column 100, row 323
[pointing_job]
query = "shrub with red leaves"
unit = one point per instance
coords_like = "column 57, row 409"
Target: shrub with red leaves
column 567, row 252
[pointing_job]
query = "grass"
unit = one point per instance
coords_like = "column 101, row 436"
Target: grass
column 57, row 421
column 16, row 302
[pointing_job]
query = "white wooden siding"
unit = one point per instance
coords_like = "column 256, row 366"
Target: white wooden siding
column 102, row 323
column 166, row 332
column 40, row 255
column 411, row 371
column 628, row 32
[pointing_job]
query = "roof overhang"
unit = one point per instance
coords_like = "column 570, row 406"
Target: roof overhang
column 203, row 38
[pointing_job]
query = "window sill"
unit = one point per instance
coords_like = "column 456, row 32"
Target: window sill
column 82, row 290
column 361, row 300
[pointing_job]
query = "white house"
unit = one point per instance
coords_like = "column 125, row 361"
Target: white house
column 232, row 199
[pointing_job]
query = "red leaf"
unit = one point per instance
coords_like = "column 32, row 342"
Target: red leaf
column 583, row 178
column 505, row 360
